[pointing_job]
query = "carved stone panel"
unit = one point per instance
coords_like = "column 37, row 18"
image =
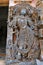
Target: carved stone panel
column 22, row 41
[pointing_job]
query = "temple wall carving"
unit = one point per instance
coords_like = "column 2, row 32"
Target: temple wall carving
column 25, row 31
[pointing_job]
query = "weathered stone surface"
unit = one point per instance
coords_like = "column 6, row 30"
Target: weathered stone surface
column 41, row 33
column 23, row 63
column 23, row 11
column 27, row 63
column 22, row 42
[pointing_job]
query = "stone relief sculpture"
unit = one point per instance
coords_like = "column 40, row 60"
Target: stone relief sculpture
column 22, row 37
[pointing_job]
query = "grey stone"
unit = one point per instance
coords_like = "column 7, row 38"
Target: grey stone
column 22, row 44
column 27, row 63
column 39, row 62
column 23, row 11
